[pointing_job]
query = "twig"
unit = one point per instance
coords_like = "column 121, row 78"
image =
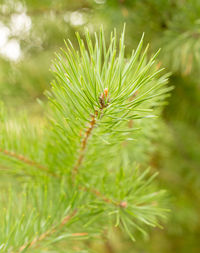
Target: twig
column 50, row 232
column 84, row 143
column 122, row 204
column 26, row 161
column 39, row 166
column 66, row 219
column 103, row 103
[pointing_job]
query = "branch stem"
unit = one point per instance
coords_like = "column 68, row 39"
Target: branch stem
column 26, row 161
column 39, row 166
column 84, row 142
column 51, row 231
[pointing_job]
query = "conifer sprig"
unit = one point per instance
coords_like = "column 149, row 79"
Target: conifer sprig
column 80, row 81
column 100, row 101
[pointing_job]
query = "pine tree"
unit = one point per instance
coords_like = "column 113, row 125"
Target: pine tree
column 76, row 175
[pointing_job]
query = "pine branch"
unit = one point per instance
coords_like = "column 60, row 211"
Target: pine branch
column 39, row 166
column 94, row 93
column 35, row 241
column 27, row 161
column 78, row 92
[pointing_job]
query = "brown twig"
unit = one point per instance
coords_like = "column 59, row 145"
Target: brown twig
column 104, row 198
column 91, row 190
column 84, row 143
column 122, row 204
column 66, row 219
column 26, row 161
column 103, row 102
column 50, row 232
column 39, row 166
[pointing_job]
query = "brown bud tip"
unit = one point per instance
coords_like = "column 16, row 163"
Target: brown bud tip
column 123, row 204
column 106, row 92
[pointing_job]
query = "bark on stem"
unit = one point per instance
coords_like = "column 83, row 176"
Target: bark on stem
column 49, row 232
column 26, row 161
column 84, row 143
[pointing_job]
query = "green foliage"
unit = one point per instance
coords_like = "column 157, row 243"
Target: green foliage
column 169, row 145
column 76, row 176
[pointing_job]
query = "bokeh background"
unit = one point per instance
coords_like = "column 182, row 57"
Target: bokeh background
column 32, row 30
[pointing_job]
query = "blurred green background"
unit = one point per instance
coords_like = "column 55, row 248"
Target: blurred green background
column 32, row 30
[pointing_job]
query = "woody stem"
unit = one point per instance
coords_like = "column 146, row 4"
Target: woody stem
column 84, row 143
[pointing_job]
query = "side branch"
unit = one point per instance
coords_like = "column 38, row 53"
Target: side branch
column 26, row 161
column 84, row 143
column 122, row 204
column 39, row 166
column 51, row 231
